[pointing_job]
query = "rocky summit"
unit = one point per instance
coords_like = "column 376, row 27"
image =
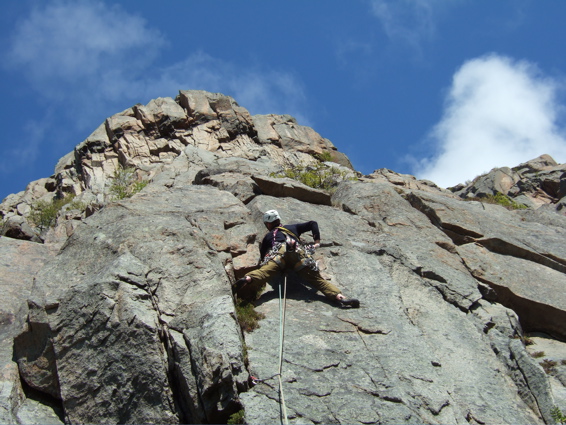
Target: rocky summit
column 117, row 274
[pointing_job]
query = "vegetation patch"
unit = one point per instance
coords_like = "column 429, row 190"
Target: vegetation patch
column 538, row 354
column 77, row 205
column 44, row 214
column 324, row 156
column 236, row 418
column 500, row 199
column 319, row 176
column 125, row 184
column 527, row 340
column 248, row 317
column 557, row 415
column 548, row 365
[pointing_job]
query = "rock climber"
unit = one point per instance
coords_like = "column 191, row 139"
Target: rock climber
column 281, row 249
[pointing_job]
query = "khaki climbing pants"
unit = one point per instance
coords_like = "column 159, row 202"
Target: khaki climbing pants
column 292, row 260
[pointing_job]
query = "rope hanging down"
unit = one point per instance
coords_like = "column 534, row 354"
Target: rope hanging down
column 282, row 310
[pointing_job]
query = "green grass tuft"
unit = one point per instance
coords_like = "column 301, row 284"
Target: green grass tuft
column 236, row 418
column 557, row 415
column 247, row 316
column 499, row 199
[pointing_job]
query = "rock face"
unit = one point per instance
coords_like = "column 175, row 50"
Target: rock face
column 535, row 183
column 21, row 260
column 133, row 320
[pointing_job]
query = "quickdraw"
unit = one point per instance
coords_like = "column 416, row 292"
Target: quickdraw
column 308, row 259
column 272, row 254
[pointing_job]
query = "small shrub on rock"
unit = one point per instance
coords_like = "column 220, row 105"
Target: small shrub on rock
column 319, row 176
column 124, row 183
column 44, row 214
column 324, row 156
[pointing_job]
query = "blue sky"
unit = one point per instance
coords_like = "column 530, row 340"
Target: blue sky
column 441, row 89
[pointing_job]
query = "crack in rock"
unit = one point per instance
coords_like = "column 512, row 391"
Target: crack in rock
column 364, row 329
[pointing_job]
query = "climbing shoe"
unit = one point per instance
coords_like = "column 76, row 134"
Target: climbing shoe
column 240, row 283
column 349, row 303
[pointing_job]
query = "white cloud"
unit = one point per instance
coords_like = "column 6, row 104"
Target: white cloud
column 498, row 112
column 88, row 60
column 68, row 42
column 408, row 21
column 93, row 57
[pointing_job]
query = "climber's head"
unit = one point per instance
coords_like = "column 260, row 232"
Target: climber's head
column 271, row 219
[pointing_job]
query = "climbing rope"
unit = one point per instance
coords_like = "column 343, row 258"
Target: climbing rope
column 282, row 310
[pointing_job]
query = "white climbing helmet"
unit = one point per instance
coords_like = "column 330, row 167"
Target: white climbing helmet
column 270, row 216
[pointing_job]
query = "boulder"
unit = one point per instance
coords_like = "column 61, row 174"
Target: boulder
column 289, row 188
column 284, row 131
column 162, row 116
column 17, row 227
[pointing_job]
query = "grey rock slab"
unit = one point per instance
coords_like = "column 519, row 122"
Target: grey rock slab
column 20, row 262
column 401, row 357
column 546, row 349
column 545, row 215
column 408, row 234
column 537, row 293
column 102, row 306
column 536, row 378
column 495, row 228
column 393, row 360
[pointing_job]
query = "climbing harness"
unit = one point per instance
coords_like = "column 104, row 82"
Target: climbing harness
column 273, row 253
column 292, row 244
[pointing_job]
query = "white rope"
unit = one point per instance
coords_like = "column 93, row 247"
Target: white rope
column 282, row 310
